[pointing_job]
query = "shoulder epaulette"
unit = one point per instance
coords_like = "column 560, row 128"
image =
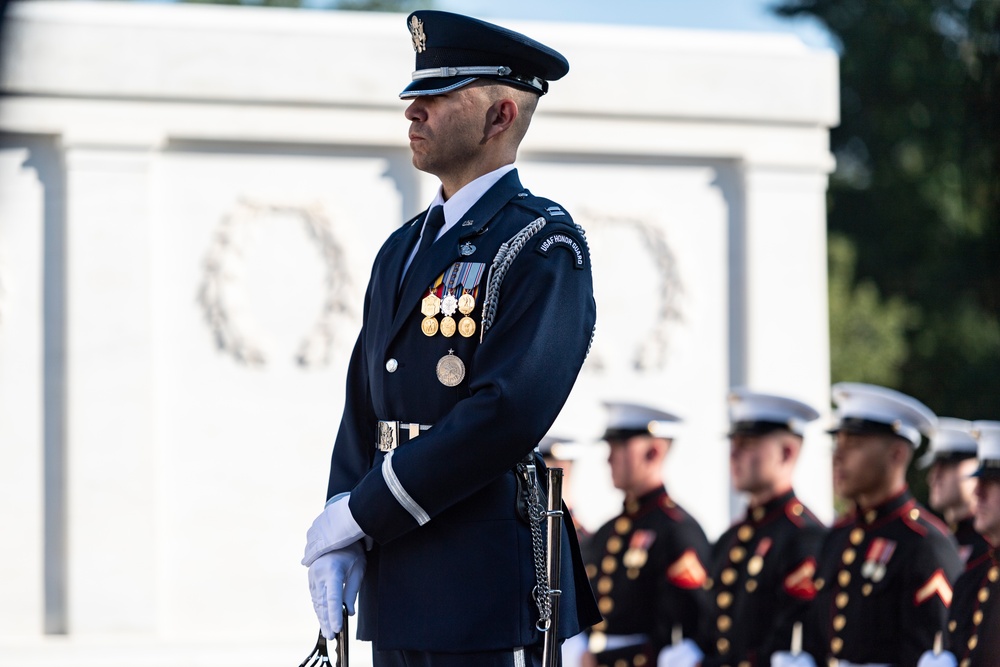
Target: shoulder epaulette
column 546, row 208
column 799, row 514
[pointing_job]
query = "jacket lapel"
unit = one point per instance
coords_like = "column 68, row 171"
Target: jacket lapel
column 447, row 249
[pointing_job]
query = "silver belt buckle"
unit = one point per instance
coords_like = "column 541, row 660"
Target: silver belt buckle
column 388, row 436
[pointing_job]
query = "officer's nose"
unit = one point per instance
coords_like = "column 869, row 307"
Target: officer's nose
column 416, row 110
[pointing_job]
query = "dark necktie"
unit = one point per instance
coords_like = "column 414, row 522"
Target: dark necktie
column 432, row 225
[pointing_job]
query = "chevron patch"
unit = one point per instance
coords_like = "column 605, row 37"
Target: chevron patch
column 937, row 584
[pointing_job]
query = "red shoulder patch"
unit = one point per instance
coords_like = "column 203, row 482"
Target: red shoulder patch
column 687, row 572
column 937, row 584
column 800, row 583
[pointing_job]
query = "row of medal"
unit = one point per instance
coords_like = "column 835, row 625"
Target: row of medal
column 448, row 295
column 432, row 305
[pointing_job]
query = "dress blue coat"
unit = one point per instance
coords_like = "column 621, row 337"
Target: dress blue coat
column 451, row 569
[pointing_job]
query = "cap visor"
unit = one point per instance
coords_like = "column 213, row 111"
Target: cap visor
column 435, row 86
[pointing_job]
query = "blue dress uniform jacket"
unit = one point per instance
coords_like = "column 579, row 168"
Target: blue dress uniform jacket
column 762, row 582
column 451, row 569
column 974, row 617
column 884, row 585
column 647, row 566
column 971, row 545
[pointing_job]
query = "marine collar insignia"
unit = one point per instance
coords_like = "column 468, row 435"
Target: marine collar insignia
column 417, row 34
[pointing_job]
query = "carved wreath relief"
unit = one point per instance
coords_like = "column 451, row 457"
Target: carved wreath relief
column 230, row 324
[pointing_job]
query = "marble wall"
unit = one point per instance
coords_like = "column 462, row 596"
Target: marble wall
column 190, row 201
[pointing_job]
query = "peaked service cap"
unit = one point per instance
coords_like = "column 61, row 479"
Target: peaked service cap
column 868, row 408
column 987, row 434
column 951, row 441
column 753, row 413
column 454, row 50
column 630, row 419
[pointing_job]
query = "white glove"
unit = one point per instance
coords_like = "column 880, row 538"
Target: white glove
column 573, row 650
column 942, row 659
column 786, row 659
column 334, row 528
column 334, row 580
column 685, row 654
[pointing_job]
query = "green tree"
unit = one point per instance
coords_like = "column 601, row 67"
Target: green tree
column 867, row 334
column 917, row 193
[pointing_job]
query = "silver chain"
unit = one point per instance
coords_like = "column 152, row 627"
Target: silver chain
column 537, row 517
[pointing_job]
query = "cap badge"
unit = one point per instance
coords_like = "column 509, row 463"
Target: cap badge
column 417, row 33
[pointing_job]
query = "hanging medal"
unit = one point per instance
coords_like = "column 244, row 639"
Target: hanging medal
column 449, row 304
column 470, row 275
column 467, row 325
column 450, row 370
column 430, row 306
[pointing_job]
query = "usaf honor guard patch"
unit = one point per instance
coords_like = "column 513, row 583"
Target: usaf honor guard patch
column 566, row 241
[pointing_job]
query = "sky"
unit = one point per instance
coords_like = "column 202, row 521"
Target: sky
column 744, row 15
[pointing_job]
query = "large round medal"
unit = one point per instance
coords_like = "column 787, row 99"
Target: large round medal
column 450, row 370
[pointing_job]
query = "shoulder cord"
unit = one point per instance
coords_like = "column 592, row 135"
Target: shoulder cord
column 501, row 263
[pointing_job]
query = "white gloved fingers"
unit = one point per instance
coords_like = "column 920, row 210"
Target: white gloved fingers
column 334, row 617
column 318, row 593
column 786, row 659
column 353, row 584
column 685, row 654
column 942, row 659
column 324, row 578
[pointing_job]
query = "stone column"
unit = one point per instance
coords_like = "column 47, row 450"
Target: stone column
column 111, row 531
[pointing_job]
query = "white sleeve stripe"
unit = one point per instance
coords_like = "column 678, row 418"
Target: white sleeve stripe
column 400, row 494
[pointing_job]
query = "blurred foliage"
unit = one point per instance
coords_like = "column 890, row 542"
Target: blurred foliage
column 914, row 208
column 867, row 333
column 401, row 6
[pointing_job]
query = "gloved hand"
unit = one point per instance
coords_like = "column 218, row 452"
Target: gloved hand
column 786, row 659
column 942, row 659
column 334, row 528
column 685, row 654
column 334, row 580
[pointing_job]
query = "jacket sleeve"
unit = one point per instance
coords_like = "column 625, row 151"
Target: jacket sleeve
column 795, row 593
column 518, row 380
column 681, row 595
column 930, row 577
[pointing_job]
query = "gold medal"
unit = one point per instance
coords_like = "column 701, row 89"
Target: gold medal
column 466, row 326
column 447, row 327
column 466, row 303
column 755, row 565
column 429, row 326
column 430, row 305
column 450, row 370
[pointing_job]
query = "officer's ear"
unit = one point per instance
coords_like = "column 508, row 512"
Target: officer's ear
column 501, row 116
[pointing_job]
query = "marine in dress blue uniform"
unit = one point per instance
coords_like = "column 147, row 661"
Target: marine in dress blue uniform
column 951, row 460
column 468, row 349
column 647, row 565
column 886, row 570
column 974, row 617
column 763, row 565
